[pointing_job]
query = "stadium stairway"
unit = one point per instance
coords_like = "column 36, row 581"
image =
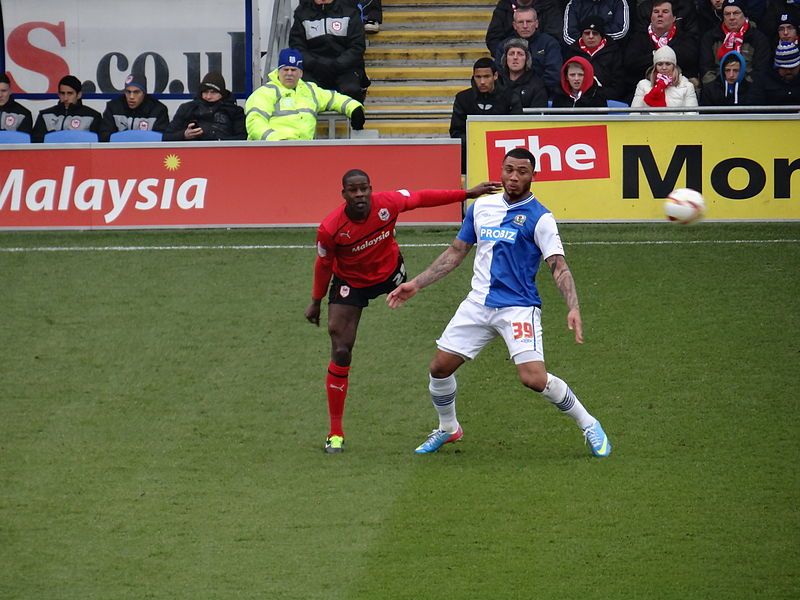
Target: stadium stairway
column 421, row 58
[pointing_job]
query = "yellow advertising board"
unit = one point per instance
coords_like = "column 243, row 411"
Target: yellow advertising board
column 620, row 168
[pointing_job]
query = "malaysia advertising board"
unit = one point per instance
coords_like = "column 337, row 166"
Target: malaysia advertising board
column 621, row 169
column 210, row 184
column 173, row 43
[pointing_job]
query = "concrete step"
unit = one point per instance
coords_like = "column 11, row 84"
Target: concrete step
column 390, row 128
column 429, row 54
column 416, row 91
column 410, row 72
column 424, row 36
column 435, row 17
column 390, row 4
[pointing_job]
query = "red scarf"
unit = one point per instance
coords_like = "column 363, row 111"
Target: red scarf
column 733, row 40
column 664, row 40
column 589, row 51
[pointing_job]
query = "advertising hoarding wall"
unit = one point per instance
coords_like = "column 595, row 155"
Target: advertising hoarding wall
column 620, row 169
column 223, row 184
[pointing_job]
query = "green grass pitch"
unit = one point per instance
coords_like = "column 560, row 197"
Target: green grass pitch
column 162, row 421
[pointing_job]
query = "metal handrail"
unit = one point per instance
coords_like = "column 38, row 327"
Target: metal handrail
column 441, row 112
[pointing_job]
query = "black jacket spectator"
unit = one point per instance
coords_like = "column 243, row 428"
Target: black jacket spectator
column 332, row 41
column 500, row 27
column 590, row 96
column 58, row 117
column 150, row 115
column 685, row 13
column 223, row 120
column 614, row 13
column 721, row 93
column 780, row 85
column 530, row 88
column 608, row 67
column 15, row 117
column 546, row 58
column 755, row 49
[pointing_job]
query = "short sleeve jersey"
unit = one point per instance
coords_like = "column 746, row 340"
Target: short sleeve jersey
column 511, row 239
column 364, row 253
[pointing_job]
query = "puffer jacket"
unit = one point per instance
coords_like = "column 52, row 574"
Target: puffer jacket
column 275, row 112
column 223, row 120
column 329, row 36
column 615, row 14
column 60, row 117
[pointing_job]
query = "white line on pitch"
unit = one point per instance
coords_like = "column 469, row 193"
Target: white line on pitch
column 309, row 247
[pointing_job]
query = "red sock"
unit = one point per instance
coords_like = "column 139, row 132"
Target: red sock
column 336, row 386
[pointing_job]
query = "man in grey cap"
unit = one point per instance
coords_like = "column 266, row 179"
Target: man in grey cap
column 134, row 110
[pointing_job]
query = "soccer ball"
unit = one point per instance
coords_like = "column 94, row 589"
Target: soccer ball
column 684, row 205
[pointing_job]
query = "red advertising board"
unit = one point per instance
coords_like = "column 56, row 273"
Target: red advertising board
column 97, row 186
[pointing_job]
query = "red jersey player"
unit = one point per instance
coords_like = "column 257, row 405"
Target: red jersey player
column 356, row 244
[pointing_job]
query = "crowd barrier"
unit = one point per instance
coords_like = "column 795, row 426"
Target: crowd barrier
column 211, row 184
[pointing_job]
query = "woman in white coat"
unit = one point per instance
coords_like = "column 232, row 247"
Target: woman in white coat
column 664, row 85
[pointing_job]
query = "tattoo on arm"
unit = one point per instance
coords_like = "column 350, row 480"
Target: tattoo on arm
column 564, row 281
column 444, row 263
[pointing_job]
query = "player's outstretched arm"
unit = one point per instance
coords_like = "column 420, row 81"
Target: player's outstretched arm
column 566, row 285
column 446, row 262
column 486, row 187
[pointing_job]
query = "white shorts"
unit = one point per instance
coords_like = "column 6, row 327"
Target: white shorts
column 475, row 325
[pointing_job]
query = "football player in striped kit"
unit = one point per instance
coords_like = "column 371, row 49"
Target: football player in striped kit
column 513, row 233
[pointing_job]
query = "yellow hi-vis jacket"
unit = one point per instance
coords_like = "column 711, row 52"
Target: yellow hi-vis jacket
column 275, row 112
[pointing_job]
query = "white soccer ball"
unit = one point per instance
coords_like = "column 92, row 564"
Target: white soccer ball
column 685, row 205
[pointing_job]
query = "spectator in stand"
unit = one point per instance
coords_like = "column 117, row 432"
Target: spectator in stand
column 778, row 13
column 664, row 85
column 549, row 17
column 68, row 114
column 709, row 13
column 735, row 33
column 787, row 29
column 515, row 67
column 614, row 15
column 663, row 30
column 134, row 110
column 780, row 86
column 730, row 88
column 371, row 15
column 545, row 51
column 212, row 115
column 486, row 96
column 330, row 36
column 13, row 116
column 579, row 88
column 286, row 107
column 605, row 56
column 683, row 11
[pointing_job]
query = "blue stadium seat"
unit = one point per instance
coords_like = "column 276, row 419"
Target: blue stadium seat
column 14, row 137
column 135, row 135
column 616, row 104
column 69, row 136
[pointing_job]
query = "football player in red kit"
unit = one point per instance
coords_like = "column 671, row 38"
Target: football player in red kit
column 356, row 244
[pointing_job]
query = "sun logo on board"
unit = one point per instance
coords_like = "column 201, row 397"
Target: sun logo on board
column 172, row 162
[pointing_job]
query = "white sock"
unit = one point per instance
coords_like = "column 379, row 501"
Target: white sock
column 443, row 396
column 565, row 400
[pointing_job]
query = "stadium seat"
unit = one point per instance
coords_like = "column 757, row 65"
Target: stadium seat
column 135, row 135
column 14, row 137
column 617, row 104
column 69, row 136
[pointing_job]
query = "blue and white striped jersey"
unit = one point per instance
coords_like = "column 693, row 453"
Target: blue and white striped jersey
column 511, row 242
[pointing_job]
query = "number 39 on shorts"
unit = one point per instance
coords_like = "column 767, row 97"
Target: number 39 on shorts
column 522, row 330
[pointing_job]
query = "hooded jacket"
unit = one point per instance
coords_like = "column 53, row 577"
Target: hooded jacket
column 590, row 94
column 223, row 120
column 608, row 69
column 545, row 54
column 502, row 101
column 15, row 117
column 720, row 93
column 60, row 117
column 615, row 14
column 150, row 115
column 275, row 112
column 329, row 36
column 501, row 26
